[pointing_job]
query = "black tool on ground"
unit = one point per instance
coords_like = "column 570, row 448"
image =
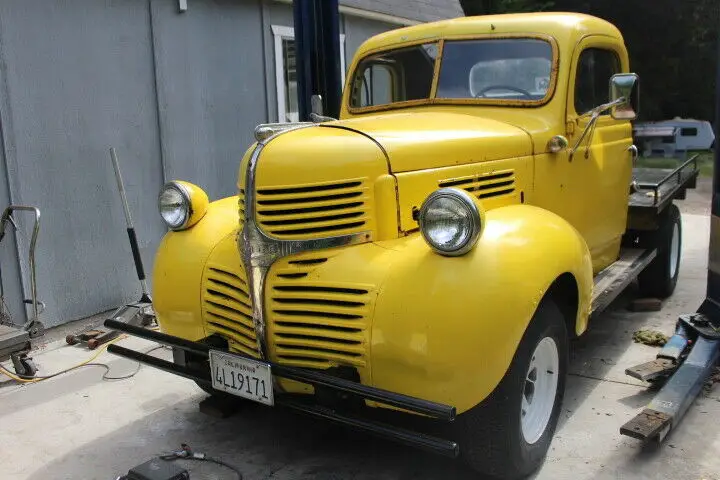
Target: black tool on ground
column 688, row 359
column 15, row 339
column 187, row 453
column 161, row 468
column 156, row 469
column 139, row 313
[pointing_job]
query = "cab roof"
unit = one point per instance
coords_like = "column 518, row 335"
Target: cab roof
column 566, row 28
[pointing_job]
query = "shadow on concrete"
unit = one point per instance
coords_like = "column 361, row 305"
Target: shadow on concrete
column 263, row 443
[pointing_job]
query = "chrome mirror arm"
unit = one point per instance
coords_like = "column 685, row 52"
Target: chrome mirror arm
column 590, row 128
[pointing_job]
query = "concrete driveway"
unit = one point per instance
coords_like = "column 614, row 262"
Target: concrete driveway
column 79, row 426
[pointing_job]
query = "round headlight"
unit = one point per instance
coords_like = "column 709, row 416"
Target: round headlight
column 182, row 204
column 451, row 221
column 174, row 205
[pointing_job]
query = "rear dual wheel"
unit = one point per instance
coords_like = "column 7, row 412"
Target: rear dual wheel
column 509, row 433
column 660, row 277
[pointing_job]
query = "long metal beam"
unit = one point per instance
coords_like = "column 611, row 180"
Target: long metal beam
column 317, row 54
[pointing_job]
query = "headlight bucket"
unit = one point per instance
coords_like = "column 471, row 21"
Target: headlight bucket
column 182, row 204
column 451, row 221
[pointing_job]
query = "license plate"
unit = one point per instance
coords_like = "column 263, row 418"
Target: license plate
column 242, row 377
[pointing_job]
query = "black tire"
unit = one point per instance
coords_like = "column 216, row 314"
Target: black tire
column 490, row 434
column 659, row 279
column 207, row 389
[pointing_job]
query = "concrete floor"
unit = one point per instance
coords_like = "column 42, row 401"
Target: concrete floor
column 79, row 426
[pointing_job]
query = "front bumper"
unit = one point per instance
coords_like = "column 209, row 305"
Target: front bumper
column 430, row 409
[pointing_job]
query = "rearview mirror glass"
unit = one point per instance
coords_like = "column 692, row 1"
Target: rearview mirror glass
column 627, row 86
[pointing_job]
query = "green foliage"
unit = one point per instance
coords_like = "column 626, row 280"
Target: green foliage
column 672, row 45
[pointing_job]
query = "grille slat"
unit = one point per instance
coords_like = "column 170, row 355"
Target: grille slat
column 227, row 288
column 327, row 192
column 311, row 211
column 321, row 354
column 319, row 344
column 241, row 207
column 485, row 185
column 226, row 312
column 239, row 328
column 227, row 308
column 229, row 277
column 315, row 210
column 318, row 325
column 213, row 294
column 315, row 219
column 354, row 336
column 325, row 227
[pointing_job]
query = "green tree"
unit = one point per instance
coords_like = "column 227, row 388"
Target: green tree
column 672, row 46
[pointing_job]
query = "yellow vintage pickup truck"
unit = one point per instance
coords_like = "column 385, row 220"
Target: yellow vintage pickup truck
column 434, row 250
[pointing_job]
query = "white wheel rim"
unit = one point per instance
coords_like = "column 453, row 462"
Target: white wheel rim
column 674, row 250
column 539, row 390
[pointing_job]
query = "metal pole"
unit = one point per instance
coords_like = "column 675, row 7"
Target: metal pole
column 317, row 55
column 130, row 229
column 712, row 303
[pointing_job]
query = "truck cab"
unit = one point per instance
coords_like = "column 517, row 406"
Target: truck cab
column 434, row 249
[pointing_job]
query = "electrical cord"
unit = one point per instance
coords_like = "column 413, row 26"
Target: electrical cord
column 187, row 454
column 87, row 363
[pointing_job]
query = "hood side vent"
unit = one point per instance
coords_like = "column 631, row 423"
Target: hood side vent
column 484, row 185
column 300, row 212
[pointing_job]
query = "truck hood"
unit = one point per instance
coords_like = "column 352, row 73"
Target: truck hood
column 426, row 140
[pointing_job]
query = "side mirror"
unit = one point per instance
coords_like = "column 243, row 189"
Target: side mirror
column 316, row 104
column 625, row 86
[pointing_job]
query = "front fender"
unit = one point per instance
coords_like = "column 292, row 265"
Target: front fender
column 446, row 328
column 178, row 269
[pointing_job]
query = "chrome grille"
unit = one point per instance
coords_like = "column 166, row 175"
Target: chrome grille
column 227, row 308
column 314, row 210
column 241, row 206
column 485, row 185
column 316, row 325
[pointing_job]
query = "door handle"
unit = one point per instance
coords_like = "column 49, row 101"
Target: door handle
column 634, row 151
column 634, row 155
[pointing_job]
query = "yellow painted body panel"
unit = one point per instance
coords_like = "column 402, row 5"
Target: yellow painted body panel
column 417, row 140
column 497, row 183
column 445, row 329
column 198, row 202
column 409, row 320
column 179, row 265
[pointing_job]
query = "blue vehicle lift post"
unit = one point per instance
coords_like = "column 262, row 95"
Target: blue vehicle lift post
column 317, row 53
column 688, row 359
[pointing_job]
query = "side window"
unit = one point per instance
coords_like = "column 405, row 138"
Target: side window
column 377, row 86
column 595, row 67
column 394, row 76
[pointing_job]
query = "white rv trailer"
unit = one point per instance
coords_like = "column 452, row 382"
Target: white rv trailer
column 674, row 137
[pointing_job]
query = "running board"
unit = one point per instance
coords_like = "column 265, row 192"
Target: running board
column 610, row 282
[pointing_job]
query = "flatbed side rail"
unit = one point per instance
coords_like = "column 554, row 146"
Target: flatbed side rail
column 679, row 174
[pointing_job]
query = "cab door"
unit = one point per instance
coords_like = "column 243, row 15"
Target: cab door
column 600, row 170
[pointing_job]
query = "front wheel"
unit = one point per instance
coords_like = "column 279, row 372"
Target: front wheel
column 509, row 433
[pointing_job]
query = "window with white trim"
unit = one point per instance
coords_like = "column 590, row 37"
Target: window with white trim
column 286, row 75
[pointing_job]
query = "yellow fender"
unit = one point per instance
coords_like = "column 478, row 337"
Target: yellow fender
column 178, row 269
column 446, row 328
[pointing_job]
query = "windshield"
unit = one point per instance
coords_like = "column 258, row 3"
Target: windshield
column 514, row 69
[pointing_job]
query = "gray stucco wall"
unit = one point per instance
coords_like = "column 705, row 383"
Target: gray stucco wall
column 177, row 94
column 419, row 10
column 78, row 79
column 211, row 89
